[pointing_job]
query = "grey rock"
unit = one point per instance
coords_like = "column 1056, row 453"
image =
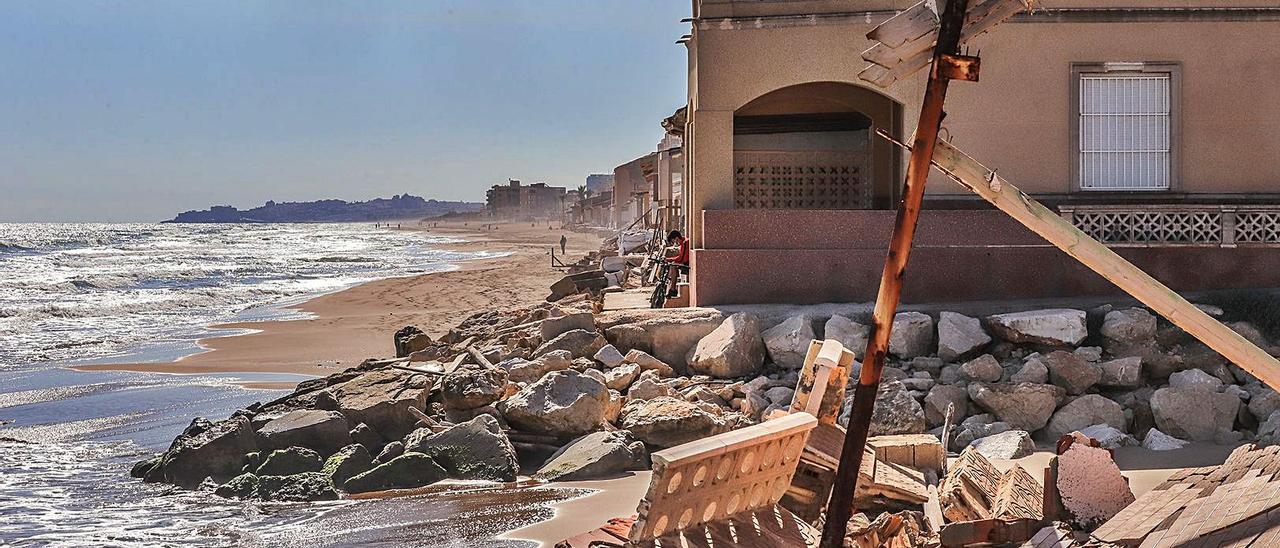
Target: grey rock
column 1193, row 414
column 563, row 403
column 668, row 422
column 1053, row 327
column 1195, row 379
column 1159, row 441
column 1108, row 437
column 1263, row 403
column 1024, row 406
column 580, row 343
column 1083, row 412
column 244, row 486
column 649, row 363
column 1033, row 371
column 469, row 389
column 1070, row 372
column 649, row 386
column 939, row 397
column 852, row 335
column 896, row 412
column 367, row 437
column 391, row 451
column 1132, row 325
column 734, row 349
column 559, row 325
column 527, row 371
column 1121, row 373
column 984, row 368
column 206, row 450
column 323, row 431
column 473, row 450
column 609, row 356
column 1089, row 353
column 407, row 471
column 594, row 456
column 911, row 336
column 382, row 398
column 621, row 377
column 959, row 336
column 788, row 342
column 1011, row 444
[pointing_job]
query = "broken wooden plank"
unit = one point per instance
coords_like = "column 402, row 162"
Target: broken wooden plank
column 1101, row 259
column 989, row 532
column 479, row 357
column 823, row 377
column 910, row 23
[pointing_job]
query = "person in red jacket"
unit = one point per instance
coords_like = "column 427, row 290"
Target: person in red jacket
column 677, row 254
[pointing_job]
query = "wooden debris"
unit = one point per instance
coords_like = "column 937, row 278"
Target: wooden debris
column 479, row 357
column 823, row 377
column 904, row 529
column 1018, row 496
column 989, row 532
column 975, row 490
column 920, row 451
column 1056, row 535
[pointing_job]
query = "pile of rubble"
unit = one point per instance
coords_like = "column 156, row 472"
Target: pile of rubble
column 558, row 392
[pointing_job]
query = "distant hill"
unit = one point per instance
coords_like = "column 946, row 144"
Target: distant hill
column 400, row 206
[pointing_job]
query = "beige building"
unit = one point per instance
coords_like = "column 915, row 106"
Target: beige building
column 1151, row 124
column 518, row 201
column 633, row 184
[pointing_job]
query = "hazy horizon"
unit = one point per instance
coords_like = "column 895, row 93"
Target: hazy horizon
column 138, row 110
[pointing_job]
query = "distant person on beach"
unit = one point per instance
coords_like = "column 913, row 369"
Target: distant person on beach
column 563, row 242
column 677, row 254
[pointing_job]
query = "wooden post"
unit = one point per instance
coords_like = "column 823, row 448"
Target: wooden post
column 1101, row 259
column 840, row 507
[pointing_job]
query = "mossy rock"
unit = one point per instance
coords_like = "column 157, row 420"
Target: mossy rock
column 287, row 462
column 244, row 486
column 347, row 463
column 142, row 468
column 404, row 472
column 304, row 487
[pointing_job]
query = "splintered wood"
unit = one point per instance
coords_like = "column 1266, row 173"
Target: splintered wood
column 976, row 490
column 732, row 480
column 1236, row 504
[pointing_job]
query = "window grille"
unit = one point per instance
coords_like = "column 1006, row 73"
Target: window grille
column 1124, row 131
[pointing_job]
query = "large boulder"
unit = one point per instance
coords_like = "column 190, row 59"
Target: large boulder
column 667, row 334
column 1083, row 412
column 1129, row 326
column 1053, row 327
column 323, row 431
column 403, row 472
column 347, row 463
column 734, row 349
column 788, row 342
column 959, row 336
column 983, row 368
column 1073, row 374
column 559, row 325
column 304, row 487
column 1010, row 444
column 474, row 450
column 469, row 389
column 939, row 397
column 382, row 398
column 911, row 336
column 1189, row 413
column 287, row 462
column 852, row 335
column 1025, row 406
column 526, row 371
column 581, row 343
column 896, row 411
column 648, row 386
column 1263, row 403
column 563, row 403
column 410, row 339
column 667, row 422
column 1121, row 373
column 594, row 456
column 204, row 450
column 244, row 486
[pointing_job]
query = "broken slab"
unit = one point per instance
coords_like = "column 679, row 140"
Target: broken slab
column 1090, row 485
column 1052, row 327
column 1011, row 444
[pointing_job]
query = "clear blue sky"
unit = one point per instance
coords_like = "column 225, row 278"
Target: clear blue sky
column 135, row 110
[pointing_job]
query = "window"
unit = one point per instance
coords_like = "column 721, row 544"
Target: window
column 1125, row 128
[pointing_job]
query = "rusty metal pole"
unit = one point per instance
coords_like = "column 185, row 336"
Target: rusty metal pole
column 945, row 66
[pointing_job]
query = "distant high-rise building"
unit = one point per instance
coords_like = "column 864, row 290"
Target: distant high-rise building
column 599, row 182
column 514, row 200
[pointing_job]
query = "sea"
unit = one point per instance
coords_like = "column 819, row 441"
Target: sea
column 73, row 294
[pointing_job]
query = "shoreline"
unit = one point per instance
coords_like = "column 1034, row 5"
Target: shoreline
column 345, row 327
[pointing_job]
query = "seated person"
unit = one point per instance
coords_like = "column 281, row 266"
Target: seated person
column 677, row 255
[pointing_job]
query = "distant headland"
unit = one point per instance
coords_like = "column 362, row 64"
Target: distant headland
column 400, row 206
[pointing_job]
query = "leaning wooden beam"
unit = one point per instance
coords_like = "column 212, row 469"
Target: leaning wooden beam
column 1101, row 259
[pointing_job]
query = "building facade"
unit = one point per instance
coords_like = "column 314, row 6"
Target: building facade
column 517, row 201
column 1147, row 123
column 633, row 184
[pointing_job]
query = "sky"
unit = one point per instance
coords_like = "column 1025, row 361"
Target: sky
column 133, row 110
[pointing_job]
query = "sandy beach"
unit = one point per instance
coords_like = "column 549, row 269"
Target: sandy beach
column 357, row 323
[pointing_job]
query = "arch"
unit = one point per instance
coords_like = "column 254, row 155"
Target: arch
column 812, row 146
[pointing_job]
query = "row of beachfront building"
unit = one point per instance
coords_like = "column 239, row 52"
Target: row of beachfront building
column 1153, row 125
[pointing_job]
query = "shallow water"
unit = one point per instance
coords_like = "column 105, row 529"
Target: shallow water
column 68, row 437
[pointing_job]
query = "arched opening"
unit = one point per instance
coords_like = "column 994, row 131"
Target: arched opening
column 813, row 146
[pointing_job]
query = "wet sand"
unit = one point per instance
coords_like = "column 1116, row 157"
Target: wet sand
column 349, row 326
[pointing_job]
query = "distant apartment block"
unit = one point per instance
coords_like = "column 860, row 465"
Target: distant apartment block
column 516, row 201
column 599, row 183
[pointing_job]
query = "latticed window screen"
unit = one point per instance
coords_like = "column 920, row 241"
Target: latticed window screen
column 800, row 180
column 1124, row 131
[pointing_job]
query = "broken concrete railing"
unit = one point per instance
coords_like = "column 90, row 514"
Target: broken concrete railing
column 721, row 477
